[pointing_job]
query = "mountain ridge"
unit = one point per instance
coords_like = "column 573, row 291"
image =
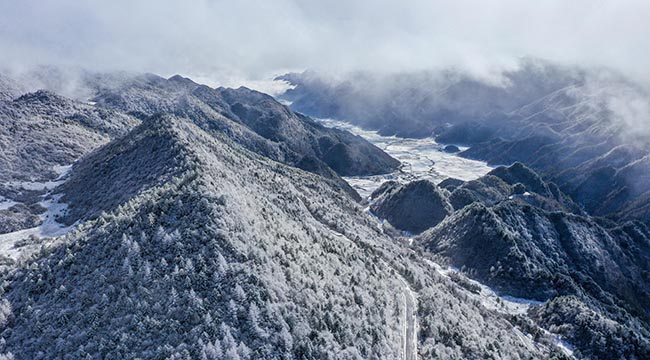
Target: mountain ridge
column 235, row 256
column 564, row 122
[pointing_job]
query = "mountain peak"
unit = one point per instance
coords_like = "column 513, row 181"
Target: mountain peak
column 520, row 173
column 150, row 154
column 182, row 80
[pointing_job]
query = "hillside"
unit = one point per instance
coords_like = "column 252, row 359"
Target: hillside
column 41, row 130
column 413, row 207
column 226, row 254
column 528, row 240
column 41, row 135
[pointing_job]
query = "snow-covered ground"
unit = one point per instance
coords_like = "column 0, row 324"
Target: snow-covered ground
column 421, row 159
column 488, row 297
column 44, row 185
column 504, row 304
column 17, row 244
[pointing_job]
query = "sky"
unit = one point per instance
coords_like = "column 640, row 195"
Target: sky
column 249, row 41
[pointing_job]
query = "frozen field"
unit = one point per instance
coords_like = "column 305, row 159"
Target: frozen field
column 421, row 159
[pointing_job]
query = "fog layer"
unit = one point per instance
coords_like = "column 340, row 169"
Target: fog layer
column 227, row 43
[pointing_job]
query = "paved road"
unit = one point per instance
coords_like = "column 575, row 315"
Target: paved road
column 410, row 323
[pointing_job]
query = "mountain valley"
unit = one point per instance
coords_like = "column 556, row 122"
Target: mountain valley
column 161, row 218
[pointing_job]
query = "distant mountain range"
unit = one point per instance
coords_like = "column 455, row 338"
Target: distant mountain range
column 585, row 130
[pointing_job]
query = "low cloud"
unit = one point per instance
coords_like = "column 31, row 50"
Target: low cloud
column 229, row 42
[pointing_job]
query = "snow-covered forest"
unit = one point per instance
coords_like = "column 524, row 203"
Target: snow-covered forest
column 162, row 220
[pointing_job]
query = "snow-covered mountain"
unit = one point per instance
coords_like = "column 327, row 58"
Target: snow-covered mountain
column 160, row 218
column 41, row 134
column 254, row 119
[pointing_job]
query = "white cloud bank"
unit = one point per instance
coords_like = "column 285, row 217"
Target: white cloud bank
column 226, row 42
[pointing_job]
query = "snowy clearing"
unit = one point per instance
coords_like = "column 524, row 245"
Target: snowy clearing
column 44, row 185
column 487, row 296
column 19, row 244
column 6, row 203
